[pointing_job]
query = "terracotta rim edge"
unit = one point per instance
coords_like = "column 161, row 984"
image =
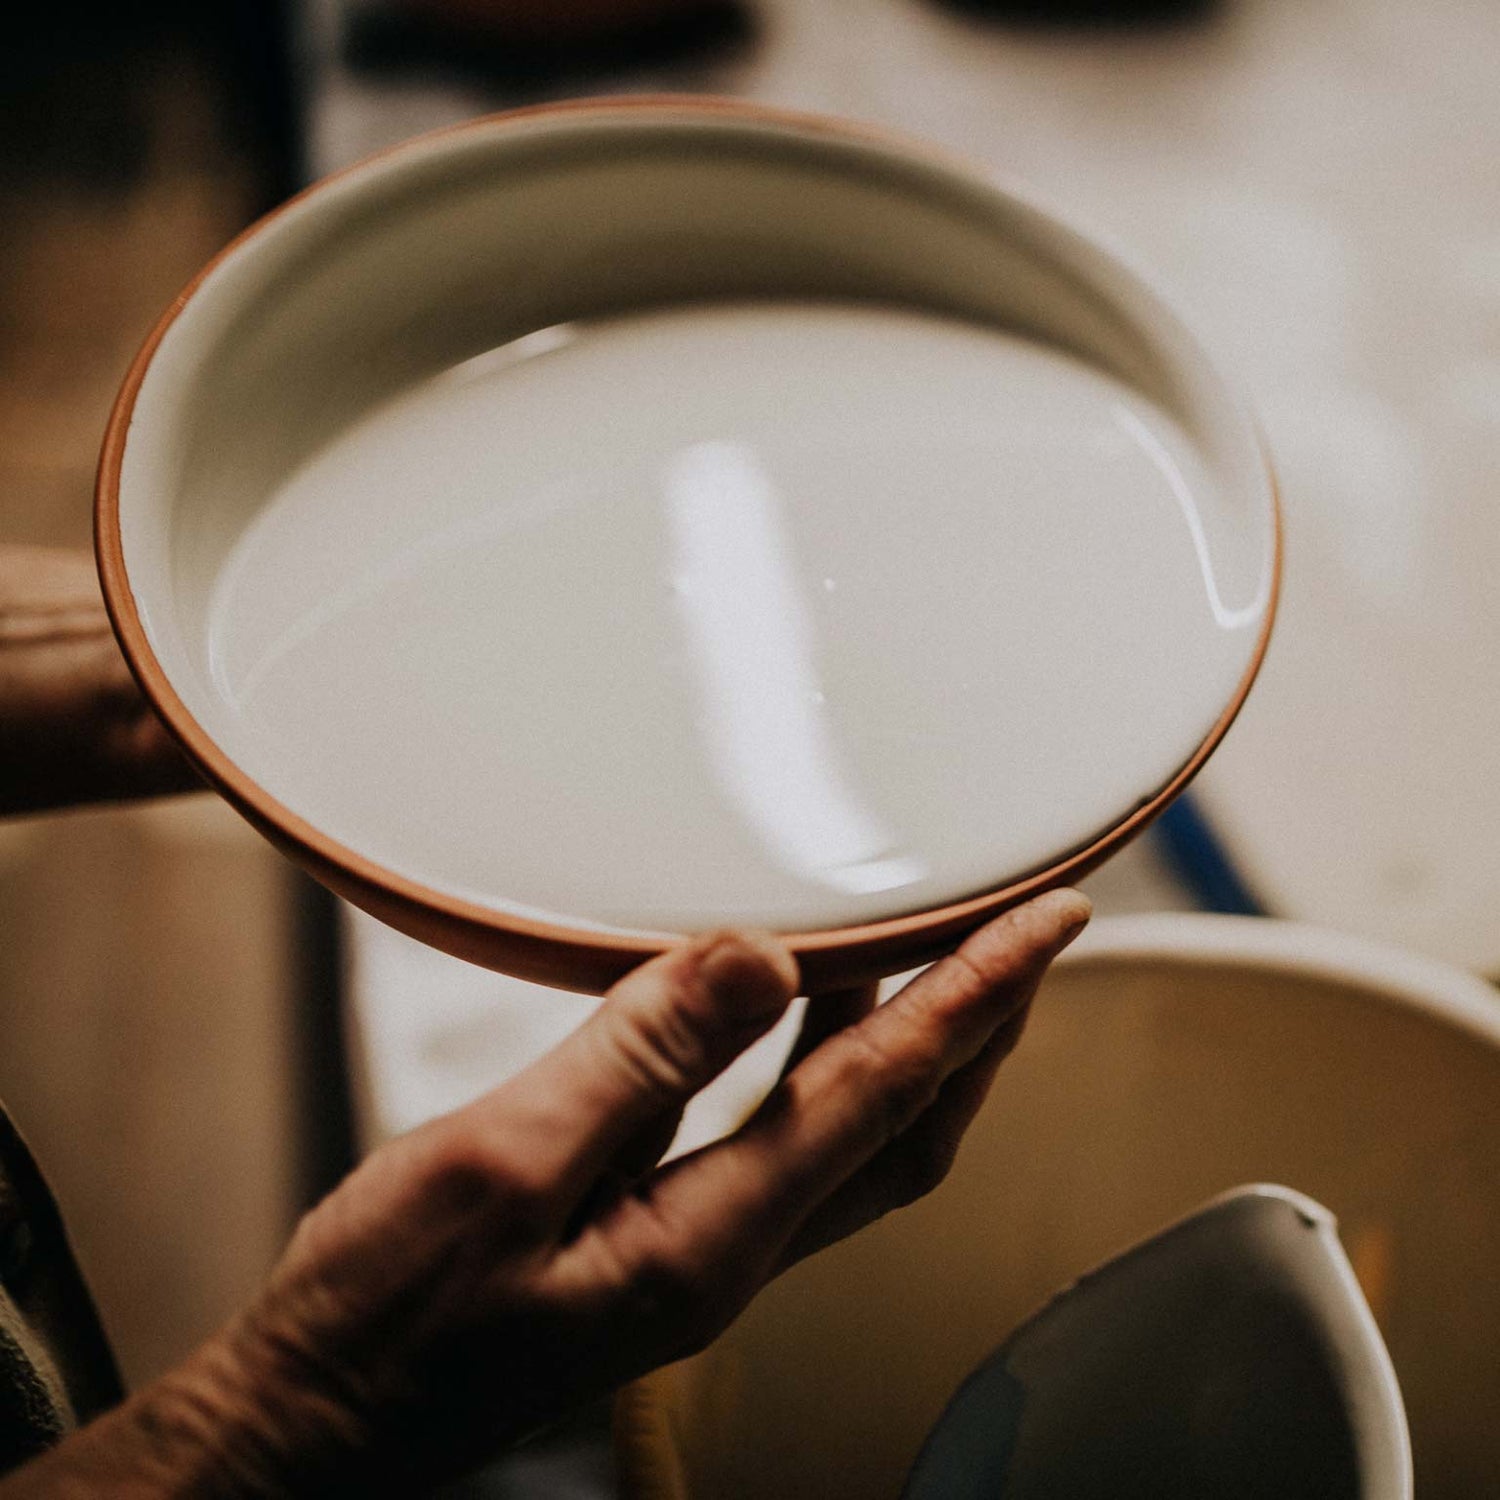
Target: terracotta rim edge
column 554, row 947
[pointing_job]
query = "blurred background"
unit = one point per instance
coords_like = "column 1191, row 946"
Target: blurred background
column 148, row 957
column 197, row 1041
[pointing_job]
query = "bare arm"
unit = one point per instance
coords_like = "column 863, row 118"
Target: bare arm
column 73, row 726
column 475, row 1279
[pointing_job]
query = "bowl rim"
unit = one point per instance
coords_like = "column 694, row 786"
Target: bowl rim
column 1378, row 970
column 553, row 951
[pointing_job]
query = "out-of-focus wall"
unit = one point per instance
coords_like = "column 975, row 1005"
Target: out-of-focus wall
column 144, row 1053
column 146, row 975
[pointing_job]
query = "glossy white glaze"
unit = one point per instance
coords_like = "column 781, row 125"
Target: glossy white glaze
column 799, row 614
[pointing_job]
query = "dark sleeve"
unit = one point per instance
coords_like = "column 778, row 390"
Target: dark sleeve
column 56, row 1367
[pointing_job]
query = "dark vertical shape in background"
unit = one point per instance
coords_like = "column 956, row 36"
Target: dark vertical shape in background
column 261, row 57
column 325, row 1104
column 76, row 108
column 259, row 47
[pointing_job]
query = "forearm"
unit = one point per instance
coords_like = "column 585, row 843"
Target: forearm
column 73, row 726
column 219, row 1427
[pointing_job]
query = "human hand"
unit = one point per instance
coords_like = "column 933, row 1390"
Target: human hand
column 478, row 1277
column 73, row 725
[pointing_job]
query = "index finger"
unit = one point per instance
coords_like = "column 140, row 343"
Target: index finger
column 860, row 1089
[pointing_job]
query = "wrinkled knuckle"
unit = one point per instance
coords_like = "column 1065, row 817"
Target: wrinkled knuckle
column 460, row 1170
column 681, row 1297
column 1014, row 949
column 660, row 1050
column 974, row 974
column 902, row 1082
column 467, row 1178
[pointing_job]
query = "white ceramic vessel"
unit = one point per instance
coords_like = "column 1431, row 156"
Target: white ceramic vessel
column 609, row 521
column 1232, row 1354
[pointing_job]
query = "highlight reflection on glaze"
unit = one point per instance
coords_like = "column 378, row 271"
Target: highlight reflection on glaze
column 767, row 731
column 1227, row 617
column 796, row 615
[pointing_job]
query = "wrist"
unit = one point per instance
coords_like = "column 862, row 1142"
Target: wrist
column 238, row 1418
column 258, row 1416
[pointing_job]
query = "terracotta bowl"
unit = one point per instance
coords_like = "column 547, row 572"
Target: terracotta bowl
column 507, row 792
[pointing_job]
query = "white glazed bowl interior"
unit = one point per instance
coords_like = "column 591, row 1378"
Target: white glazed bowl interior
column 458, row 243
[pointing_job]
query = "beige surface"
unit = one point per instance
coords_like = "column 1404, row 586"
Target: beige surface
column 144, row 981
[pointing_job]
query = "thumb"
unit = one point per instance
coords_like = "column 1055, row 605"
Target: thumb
column 663, row 1033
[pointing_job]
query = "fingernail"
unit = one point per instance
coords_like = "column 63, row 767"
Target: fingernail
column 1068, row 908
column 749, row 972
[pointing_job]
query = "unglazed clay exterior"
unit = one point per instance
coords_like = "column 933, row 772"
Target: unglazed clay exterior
column 602, row 523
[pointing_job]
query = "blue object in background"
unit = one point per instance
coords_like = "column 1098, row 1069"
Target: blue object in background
column 1200, row 861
